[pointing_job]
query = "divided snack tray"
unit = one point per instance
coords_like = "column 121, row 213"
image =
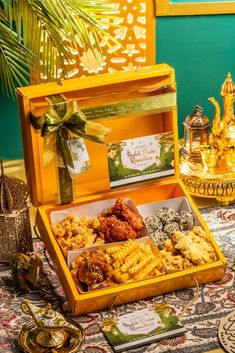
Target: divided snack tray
column 72, row 255
column 141, row 104
column 84, row 302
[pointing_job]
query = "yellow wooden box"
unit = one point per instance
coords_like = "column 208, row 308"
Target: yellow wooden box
column 94, row 184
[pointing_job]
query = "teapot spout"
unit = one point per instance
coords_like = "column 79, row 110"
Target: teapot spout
column 216, row 123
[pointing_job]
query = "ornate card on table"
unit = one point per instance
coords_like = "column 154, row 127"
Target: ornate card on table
column 142, row 327
column 141, row 158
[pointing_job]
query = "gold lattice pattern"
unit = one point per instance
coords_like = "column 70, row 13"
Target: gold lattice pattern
column 135, row 33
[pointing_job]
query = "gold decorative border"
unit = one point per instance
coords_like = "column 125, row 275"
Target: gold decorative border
column 222, row 191
column 166, row 8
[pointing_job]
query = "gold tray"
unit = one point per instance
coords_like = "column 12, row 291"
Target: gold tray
column 205, row 184
column 28, row 343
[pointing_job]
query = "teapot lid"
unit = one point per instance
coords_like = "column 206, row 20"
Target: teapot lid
column 227, row 87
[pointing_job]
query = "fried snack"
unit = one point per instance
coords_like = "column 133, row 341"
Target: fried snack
column 120, row 277
column 74, row 233
column 124, row 250
column 58, row 230
column 202, row 244
column 113, row 229
column 121, row 210
column 134, row 261
column 115, row 265
column 141, row 264
column 201, row 233
column 152, row 265
column 120, row 222
column 147, row 250
column 175, row 262
column 131, row 260
column 169, row 246
column 92, row 268
column 190, row 250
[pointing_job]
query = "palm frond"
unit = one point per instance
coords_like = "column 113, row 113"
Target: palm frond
column 49, row 29
column 14, row 61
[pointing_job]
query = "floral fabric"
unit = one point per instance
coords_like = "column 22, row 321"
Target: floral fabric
column 201, row 319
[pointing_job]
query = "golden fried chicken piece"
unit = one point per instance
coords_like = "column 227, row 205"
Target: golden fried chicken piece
column 112, row 229
column 121, row 210
column 190, row 250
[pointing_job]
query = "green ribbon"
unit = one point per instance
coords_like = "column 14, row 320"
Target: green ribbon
column 62, row 120
column 159, row 103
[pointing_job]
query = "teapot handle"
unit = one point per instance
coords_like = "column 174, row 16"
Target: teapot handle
column 25, row 307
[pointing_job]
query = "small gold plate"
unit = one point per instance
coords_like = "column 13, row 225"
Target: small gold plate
column 28, row 342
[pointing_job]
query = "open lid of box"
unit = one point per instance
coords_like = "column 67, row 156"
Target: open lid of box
column 133, row 104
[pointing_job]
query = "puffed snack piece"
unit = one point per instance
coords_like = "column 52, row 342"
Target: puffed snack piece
column 74, row 233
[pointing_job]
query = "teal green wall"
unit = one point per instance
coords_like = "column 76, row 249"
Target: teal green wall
column 200, row 48
column 10, row 135
column 202, row 51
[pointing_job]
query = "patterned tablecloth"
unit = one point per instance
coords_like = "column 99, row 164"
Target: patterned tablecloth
column 201, row 320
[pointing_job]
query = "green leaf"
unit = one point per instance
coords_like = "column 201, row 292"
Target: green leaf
column 14, row 61
column 42, row 34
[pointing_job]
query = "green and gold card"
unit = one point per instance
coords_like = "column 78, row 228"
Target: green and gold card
column 140, row 159
column 142, row 327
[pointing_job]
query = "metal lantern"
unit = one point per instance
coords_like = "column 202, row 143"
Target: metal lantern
column 196, row 134
column 15, row 230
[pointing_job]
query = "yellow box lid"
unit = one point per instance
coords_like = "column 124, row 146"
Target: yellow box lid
column 132, row 104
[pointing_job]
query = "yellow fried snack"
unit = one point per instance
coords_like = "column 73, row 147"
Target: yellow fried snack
column 58, row 230
column 187, row 250
column 175, row 262
column 108, row 258
column 131, row 260
column 141, row 263
column 74, row 233
column 201, row 233
column 120, row 277
column 145, row 271
column 124, row 250
column 203, row 246
column 147, row 249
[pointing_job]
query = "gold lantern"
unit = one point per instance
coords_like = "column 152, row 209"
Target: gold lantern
column 196, row 134
column 15, row 230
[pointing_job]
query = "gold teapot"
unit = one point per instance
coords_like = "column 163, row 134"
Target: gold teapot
column 223, row 129
column 48, row 331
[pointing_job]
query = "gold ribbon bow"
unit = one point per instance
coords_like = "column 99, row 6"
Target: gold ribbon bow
column 62, row 120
